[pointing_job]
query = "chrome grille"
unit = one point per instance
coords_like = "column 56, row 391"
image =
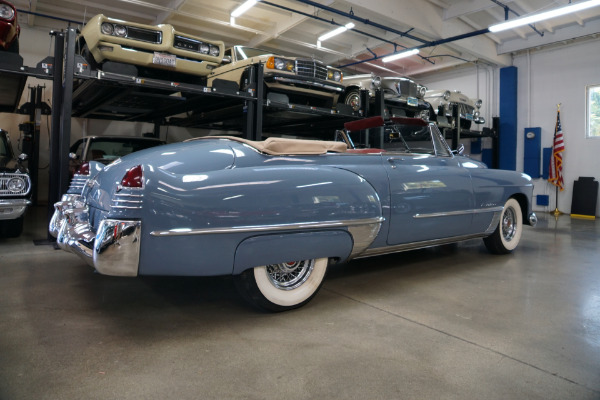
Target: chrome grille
column 127, row 201
column 311, row 69
column 4, row 178
column 144, row 35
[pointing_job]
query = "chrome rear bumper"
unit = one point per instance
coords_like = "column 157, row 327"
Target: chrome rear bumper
column 114, row 249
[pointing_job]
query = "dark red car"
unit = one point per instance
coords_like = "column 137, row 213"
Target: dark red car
column 9, row 27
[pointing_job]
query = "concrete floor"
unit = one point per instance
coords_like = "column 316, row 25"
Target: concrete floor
column 445, row 323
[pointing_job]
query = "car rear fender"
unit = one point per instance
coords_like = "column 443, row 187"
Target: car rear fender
column 286, row 247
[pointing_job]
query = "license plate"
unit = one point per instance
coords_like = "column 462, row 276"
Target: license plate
column 412, row 101
column 469, row 117
column 168, row 60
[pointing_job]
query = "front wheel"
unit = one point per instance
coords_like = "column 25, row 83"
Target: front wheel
column 282, row 287
column 352, row 98
column 507, row 235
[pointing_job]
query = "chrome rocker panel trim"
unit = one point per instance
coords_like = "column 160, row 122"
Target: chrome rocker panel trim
column 460, row 212
column 418, row 245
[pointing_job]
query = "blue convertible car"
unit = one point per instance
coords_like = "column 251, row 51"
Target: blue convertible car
column 275, row 213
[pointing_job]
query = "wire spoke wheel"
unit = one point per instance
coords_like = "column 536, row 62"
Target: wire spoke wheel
column 284, row 286
column 290, row 275
column 507, row 235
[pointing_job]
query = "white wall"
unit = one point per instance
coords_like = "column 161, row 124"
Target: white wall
column 546, row 77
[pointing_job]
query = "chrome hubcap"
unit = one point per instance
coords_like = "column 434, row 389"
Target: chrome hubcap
column 353, row 101
column 290, row 275
column 509, row 226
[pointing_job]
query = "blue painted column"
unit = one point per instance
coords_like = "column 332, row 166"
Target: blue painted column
column 508, row 118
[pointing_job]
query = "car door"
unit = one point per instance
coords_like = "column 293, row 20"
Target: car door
column 431, row 194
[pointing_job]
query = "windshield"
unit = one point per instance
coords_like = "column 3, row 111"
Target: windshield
column 242, row 52
column 5, row 149
column 415, row 139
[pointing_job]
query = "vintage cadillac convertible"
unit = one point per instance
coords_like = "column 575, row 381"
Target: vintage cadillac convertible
column 275, row 213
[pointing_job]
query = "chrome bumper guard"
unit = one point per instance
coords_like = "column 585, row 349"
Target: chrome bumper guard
column 532, row 219
column 114, row 249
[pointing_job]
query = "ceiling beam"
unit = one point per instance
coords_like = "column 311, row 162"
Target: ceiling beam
column 164, row 15
column 465, row 7
column 559, row 35
column 426, row 20
column 284, row 25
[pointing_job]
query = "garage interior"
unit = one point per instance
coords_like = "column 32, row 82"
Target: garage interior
column 444, row 322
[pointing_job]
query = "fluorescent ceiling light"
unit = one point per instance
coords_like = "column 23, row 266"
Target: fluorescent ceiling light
column 243, row 8
column 400, row 55
column 335, row 32
column 557, row 12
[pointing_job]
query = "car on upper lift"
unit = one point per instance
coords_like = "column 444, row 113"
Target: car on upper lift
column 443, row 105
column 157, row 51
column 15, row 189
column 403, row 97
column 298, row 80
column 9, row 27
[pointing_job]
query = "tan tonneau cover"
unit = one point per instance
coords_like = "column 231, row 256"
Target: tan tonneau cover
column 282, row 146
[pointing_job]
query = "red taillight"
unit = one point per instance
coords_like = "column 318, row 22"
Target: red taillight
column 134, row 177
column 84, row 169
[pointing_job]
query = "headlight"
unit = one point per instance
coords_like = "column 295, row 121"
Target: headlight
column 447, row 95
column 478, row 103
column 204, row 48
column 214, row 50
column 16, row 185
column 422, row 90
column 279, row 64
column 376, row 82
column 334, row 75
column 6, row 11
column 107, row 28
column 284, row 65
column 476, row 114
column 120, row 30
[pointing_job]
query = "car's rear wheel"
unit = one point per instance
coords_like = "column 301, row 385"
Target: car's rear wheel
column 507, row 235
column 281, row 287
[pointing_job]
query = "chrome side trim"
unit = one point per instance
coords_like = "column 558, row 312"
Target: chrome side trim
column 268, row 228
column 418, row 245
column 460, row 212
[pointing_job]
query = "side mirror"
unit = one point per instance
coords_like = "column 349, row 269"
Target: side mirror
column 73, row 156
column 226, row 60
column 460, row 150
column 23, row 157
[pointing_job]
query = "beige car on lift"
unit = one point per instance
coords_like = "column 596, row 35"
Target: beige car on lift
column 303, row 80
column 154, row 47
column 442, row 104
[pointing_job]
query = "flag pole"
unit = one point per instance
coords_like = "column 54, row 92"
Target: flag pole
column 556, row 212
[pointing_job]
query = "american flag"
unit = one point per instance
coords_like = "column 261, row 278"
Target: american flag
column 555, row 175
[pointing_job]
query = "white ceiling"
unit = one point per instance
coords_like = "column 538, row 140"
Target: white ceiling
column 288, row 26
